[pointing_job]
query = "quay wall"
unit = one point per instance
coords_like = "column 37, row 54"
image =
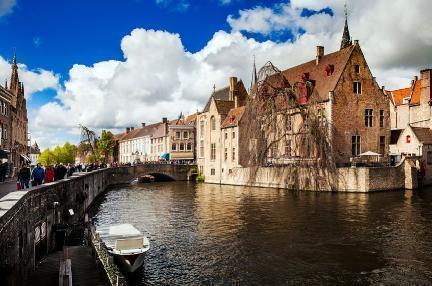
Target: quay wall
column 349, row 179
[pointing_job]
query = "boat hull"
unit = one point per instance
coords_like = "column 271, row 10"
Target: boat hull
column 129, row 263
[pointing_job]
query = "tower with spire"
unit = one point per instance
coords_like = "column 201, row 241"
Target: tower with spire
column 346, row 38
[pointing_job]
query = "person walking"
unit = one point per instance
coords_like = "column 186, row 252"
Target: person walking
column 24, row 176
column 49, row 174
column 3, row 171
column 38, row 175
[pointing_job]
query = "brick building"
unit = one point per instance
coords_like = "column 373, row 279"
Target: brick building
column 14, row 110
column 347, row 95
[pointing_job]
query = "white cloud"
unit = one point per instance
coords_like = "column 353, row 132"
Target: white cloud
column 159, row 78
column 34, row 80
column 6, row 6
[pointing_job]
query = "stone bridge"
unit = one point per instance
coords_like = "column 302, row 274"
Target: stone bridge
column 162, row 172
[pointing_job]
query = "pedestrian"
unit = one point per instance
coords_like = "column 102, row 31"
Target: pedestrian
column 24, row 176
column 49, row 174
column 70, row 170
column 38, row 175
column 3, row 171
column 62, row 171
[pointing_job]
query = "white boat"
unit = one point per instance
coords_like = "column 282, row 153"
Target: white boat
column 126, row 243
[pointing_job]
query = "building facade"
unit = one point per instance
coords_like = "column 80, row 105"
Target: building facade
column 34, row 154
column 181, row 135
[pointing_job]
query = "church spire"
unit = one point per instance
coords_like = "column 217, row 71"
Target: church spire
column 14, row 82
column 346, row 38
column 254, row 74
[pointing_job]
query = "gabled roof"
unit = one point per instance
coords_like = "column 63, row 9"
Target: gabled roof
column 424, row 135
column 233, row 118
column 118, row 137
column 224, row 106
column 318, row 72
column 220, row 94
column 413, row 93
column 394, row 136
column 148, row 130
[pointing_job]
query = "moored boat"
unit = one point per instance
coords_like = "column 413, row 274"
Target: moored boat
column 126, row 243
column 146, row 179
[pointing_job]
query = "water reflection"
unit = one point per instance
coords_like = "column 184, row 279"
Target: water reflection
column 214, row 235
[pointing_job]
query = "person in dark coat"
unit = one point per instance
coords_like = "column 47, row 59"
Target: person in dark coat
column 38, row 175
column 3, row 171
column 24, row 176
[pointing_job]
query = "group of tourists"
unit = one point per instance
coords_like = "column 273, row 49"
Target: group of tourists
column 40, row 175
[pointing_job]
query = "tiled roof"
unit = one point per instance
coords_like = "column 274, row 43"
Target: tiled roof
column 222, row 94
column 424, row 135
column 139, row 132
column 413, row 93
column 189, row 120
column 233, row 118
column 394, row 135
column 324, row 81
column 118, row 137
column 224, row 106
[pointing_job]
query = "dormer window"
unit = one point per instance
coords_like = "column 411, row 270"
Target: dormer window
column 357, row 68
column 405, row 100
column 329, row 70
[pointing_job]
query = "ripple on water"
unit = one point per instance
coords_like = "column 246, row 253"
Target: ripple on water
column 215, row 235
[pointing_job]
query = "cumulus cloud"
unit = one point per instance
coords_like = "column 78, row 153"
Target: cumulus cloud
column 6, row 6
column 34, row 80
column 159, row 77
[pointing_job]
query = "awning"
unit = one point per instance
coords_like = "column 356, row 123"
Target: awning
column 165, row 156
column 369, row 153
column 4, row 154
column 27, row 159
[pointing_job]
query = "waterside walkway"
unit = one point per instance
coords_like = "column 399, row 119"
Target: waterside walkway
column 84, row 268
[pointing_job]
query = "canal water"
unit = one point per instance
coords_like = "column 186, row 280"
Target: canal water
column 204, row 234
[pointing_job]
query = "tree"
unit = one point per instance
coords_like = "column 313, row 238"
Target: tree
column 47, row 158
column 105, row 145
column 64, row 154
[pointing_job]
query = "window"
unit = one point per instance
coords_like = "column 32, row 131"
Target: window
column 177, row 135
column 185, row 135
column 233, row 153
column 212, row 172
column 226, row 154
column 213, row 151
column 408, row 139
column 429, row 158
column 288, row 148
column 226, row 135
column 233, row 135
column 381, row 118
column 382, row 145
column 173, row 147
column 357, row 68
column 289, row 123
column 202, row 129
column 182, row 147
column 357, row 88
column 355, row 145
column 201, row 170
column 189, row 146
column 202, row 148
column 213, row 123
column 368, row 117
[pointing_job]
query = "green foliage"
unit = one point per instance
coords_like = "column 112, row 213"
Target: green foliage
column 200, row 178
column 64, row 154
column 105, row 145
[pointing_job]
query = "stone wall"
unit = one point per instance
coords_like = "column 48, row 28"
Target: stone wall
column 361, row 179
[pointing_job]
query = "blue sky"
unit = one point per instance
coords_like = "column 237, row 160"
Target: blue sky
column 89, row 62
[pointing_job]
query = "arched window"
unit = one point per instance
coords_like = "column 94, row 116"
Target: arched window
column 181, row 146
column 173, row 147
column 213, row 123
column 189, row 146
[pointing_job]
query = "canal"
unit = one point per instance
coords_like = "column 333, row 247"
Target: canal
column 204, row 234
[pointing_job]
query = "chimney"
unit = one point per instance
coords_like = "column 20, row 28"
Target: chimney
column 356, row 42
column 127, row 129
column 412, row 82
column 132, row 128
column 165, row 125
column 235, row 101
column 142, row 124
column 426, row 76
column 164, row 120
column 383, row 88
column 319, row 54
column 232, row 87
column 415, row 78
